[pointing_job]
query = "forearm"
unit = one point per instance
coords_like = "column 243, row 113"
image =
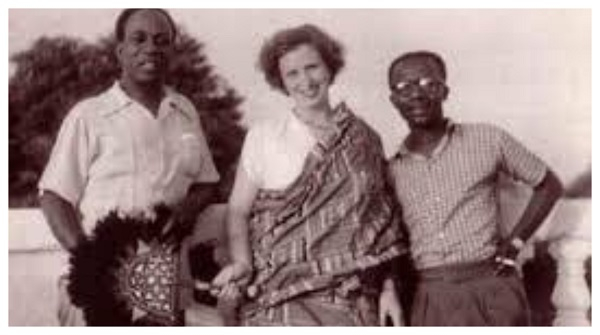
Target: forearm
column 62, row 219
column 239, row 210
column 541, row 203
column 239, row 243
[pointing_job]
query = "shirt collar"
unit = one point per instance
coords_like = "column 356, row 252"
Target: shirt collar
column 119, row 101
column 403, row 151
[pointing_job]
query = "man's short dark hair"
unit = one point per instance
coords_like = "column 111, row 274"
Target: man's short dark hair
column 127, row 13
column 430, row 55
column 286, row 40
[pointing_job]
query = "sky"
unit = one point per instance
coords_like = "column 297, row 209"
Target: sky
column 526, row 70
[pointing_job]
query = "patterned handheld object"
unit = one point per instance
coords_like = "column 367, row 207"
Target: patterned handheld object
column 124, row 275
column 149, row 283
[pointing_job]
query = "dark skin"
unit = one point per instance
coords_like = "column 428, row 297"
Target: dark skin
column 144, row 55
column 64, row 221
column 421, row 107
column 422, row 112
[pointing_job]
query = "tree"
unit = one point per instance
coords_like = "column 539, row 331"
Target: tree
column 55, row 73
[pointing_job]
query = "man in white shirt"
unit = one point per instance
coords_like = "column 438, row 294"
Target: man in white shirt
column 130, row 148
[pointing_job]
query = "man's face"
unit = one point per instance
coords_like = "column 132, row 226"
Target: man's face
column 146, row 47
column 417, row 91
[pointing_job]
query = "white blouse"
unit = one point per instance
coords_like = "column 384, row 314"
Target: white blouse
column 275, row 150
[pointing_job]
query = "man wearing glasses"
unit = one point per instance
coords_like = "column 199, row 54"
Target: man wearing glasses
column 445, row 176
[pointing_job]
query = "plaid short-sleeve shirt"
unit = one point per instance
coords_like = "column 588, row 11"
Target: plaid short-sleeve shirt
column 449, row 199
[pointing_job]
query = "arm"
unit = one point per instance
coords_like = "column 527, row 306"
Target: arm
column 240, row 203
column 63, row 220
column 541, row 203
column 390, row 304
column 523, row 165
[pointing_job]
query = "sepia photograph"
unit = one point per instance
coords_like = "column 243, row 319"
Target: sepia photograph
column 299, row 167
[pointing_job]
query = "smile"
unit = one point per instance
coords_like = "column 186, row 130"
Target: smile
column 149, row 65
column 310, row 93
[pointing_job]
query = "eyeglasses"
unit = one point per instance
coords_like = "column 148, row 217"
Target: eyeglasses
column 431, row 87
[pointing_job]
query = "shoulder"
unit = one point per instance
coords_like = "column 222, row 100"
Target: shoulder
column 487, row 136
column 182, row 103
column 91, row 108
column 361, row 127
column 480, row 130
column 269, row 128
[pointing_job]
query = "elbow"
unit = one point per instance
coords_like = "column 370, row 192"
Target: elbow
column 557, row 185
column 47, row 199
column 552, row 185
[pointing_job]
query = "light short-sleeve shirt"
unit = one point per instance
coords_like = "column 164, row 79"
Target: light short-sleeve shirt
column 275, row 150
column 111, row 153
column 449, row 199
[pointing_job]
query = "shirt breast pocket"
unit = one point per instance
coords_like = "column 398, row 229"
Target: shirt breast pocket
column 113, row 157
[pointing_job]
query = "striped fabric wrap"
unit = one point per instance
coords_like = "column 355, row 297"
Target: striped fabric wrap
column 335, row 220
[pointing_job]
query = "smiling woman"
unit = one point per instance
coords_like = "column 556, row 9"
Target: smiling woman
column 310, row 214
column 306, row 78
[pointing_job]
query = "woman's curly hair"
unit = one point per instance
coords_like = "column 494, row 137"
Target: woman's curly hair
column 286, row 40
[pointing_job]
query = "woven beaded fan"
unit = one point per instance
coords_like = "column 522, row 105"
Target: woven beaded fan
column 125, row 275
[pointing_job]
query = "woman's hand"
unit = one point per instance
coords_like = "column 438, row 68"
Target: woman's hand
column 389, row 305
column 231, row 278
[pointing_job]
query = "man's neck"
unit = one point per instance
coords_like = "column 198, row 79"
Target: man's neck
column 425, row 140
column 149, row 95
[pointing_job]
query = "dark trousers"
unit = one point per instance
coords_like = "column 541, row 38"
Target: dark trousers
column 469, row 295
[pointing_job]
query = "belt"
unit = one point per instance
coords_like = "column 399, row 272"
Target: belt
column 458, row 272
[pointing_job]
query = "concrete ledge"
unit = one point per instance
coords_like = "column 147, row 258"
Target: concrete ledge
column 36, row 261
column 28, row 231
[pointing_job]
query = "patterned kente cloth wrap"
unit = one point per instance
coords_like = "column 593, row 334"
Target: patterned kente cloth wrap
column 312, row 241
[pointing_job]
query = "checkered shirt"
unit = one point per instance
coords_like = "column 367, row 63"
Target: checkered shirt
column 449, row 199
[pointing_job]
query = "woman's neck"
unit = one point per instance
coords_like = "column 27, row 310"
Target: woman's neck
column 318, row 120
column 319, row 115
